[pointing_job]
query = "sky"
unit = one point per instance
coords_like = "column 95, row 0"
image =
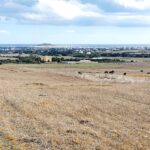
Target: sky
column 75, row 21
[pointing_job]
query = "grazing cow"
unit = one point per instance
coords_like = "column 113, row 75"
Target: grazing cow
column 148, row 72
column 141, row 71
column 80, row 72
column 112, row 72
column 106, row 72
column 125, row 74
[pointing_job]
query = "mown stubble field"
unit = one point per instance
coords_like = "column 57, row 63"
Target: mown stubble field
column 46, row 107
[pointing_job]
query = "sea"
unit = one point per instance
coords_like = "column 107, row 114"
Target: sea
column 79, row 45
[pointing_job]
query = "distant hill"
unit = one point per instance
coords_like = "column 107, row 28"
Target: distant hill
column 45, row 44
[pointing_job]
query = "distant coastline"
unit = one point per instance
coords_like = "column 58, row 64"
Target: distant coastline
column 78, row 45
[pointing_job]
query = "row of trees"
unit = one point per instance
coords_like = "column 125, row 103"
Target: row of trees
column 27, row 60
column 105, row 60
column 126, row 54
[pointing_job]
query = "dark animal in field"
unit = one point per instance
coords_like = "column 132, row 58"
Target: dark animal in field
column 125, row 74
column 112, row 72
column 141, row 71
column 106, row 72
column 148, row 72
column 80, row 72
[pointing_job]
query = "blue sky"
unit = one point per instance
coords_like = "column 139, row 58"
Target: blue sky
column 75, row 21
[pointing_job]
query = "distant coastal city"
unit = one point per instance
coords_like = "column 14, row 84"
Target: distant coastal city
column 44, row 53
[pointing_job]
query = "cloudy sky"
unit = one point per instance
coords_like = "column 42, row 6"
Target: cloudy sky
column 75, row 21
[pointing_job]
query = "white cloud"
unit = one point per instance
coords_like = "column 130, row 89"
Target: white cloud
column 77, row 12
column 137, row 4
column 71, row 31
column 4, row 31
column 3, row 18
column 129, row 19
column 34, row 16
column 62, row 9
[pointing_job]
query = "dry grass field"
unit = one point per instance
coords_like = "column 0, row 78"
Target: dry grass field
column 51, row 107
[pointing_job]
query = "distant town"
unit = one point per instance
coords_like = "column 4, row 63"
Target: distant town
column 65, row 53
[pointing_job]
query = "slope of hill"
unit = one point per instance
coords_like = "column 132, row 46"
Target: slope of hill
column 41, row 108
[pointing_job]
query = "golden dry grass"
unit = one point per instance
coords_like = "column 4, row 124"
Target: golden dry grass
column 140, row 75
column 47, row 108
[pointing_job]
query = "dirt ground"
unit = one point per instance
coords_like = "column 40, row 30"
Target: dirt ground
column 55, row 108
